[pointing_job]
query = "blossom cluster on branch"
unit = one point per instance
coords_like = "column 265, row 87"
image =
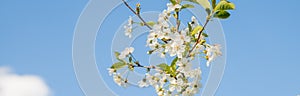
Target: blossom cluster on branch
column 182, row 44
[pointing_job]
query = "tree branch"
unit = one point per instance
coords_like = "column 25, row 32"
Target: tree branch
column 177, row 22
column 137, row 14
column 199, row 36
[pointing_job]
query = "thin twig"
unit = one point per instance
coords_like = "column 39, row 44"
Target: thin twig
column 177, row 21
column 137, row 14
column 199, row 36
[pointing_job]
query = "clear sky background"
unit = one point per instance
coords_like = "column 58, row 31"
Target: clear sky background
column 262, row 45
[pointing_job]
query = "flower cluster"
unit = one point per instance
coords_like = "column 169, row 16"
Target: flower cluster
column 128, row 27
column 168, row 85
column 182, row 45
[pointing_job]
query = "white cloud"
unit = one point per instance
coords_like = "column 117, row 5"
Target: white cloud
column 12, row 84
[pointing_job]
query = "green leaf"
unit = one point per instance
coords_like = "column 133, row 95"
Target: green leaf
column 164, row 67
column 173, row 64
column 204, row 3
column 190, row 27
column 187, row 6
column 173, row 2
column 222, row 14
column 118, row 65
column 224, row 5
column 196, row 30
column 117, row 54
column 204, row 34
column 150, row 51
column 151, row 23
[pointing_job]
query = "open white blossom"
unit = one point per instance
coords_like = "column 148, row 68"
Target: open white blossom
column 128, row 27
column 111, row 71
column 212, row 52
column 119, row 80
column 184, row 65
column 194, row 22
column 126, row 52
column 177, row 46
column 172, row 7
column 143, row 83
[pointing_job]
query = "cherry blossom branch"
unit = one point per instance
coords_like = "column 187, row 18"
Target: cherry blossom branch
column 199, row 36
column 139, row 65
column 137, row 14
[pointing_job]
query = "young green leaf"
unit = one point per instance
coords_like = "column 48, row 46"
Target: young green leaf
column 150, row 23
column 118, row 65
column 190, row 27
column 173, row 2
column 117, row 54
column 187, row 6
column 222, row 14
column 204, row 34
column 164, row 66
column 173, row 64
column 196, row 30
column 224, row 5
column 204, row 3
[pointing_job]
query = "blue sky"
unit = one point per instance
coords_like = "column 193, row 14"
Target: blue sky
column 262, row 39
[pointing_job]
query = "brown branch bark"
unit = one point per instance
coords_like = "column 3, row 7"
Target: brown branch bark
column 137, row 14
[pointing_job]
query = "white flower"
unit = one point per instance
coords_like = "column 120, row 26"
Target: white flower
column 160, row 91
column 152, row 40
column 163, row 79
column 162, row 55
column 143, row 83
column 128, row 27
column 195, row 85
column 111, row 71
column 177, row 44
column 212, row 52
column 187, row 92
column 118, row 79
column 184, row 36
column 176, row 86
column 196, row 73
column 194, row 22
column 126, row 52
column 162, row 18
column 152, row 79
column 176, row 47
column 184, row 65
column 172, row 7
